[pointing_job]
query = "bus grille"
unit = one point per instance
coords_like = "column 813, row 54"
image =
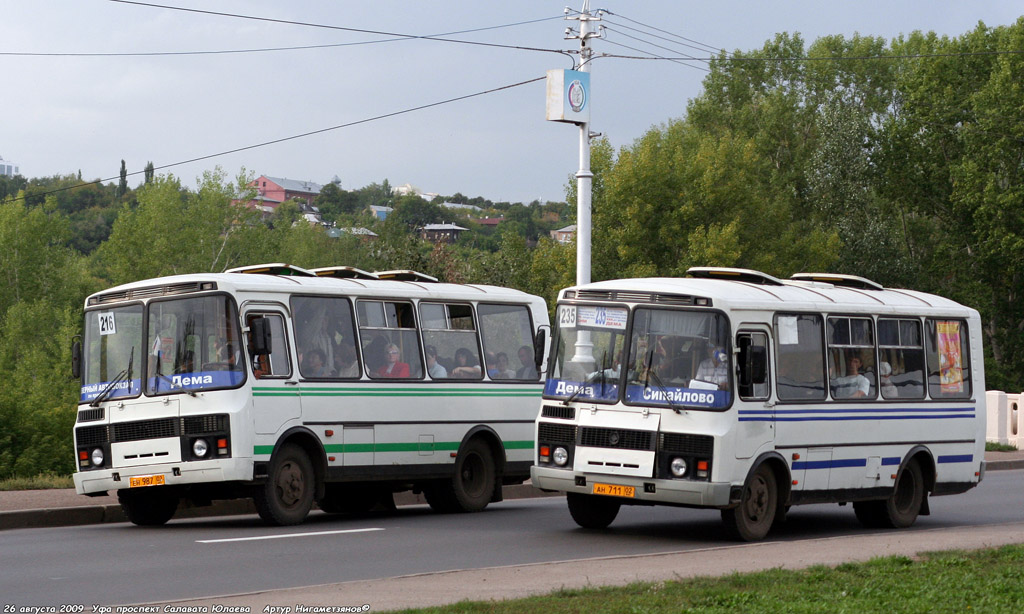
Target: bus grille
column 145, row 429
column 92, row 435
column 556, row 433
column 554, row 411
column 616, row 438
column 90, row 415
column 199, row 425
column 692, row 445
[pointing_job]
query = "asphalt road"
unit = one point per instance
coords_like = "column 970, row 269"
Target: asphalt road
column 197, row 559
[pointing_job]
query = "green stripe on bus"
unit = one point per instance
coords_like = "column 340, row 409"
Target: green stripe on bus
column 365, row 448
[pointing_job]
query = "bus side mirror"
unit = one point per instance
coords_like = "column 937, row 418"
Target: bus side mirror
column 260, row 343
column 76, row 360
column 753, row 365
column 538, row 347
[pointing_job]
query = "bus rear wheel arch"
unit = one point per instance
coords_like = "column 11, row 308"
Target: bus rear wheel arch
column 901, row 508
column 472, row 483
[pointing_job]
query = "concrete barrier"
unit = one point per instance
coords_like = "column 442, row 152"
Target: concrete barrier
column 997, row 421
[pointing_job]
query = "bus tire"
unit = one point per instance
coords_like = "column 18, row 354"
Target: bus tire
column 287, row 495
column 753, row 517
column 902, row 507
column 592, row 511
column 471, row 486
column 147, row 509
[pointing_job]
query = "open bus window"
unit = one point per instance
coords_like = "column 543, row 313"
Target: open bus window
column 901, row 358
column 799, row 346
column 391, row 346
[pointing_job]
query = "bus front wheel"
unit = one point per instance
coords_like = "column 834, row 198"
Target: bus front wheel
column 592, row 511
column 754, row 516
column 147, row 509
column 287, row 495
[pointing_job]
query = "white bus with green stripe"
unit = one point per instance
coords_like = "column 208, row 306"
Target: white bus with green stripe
column 292, row 387
column 738, row 391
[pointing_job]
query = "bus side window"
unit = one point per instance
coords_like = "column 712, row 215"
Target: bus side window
column 752, row 365
column 507, row 332
column 276, row 363
column 949, row 371
column 799, row 340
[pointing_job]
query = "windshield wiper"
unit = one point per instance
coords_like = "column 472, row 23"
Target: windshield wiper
column 590, row 379
column 124, row 374
column 657, row 380
column 174, row 386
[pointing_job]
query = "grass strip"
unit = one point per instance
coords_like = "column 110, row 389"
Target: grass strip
column 989, row 580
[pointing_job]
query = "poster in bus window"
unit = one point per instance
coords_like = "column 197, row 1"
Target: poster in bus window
column 951, row 379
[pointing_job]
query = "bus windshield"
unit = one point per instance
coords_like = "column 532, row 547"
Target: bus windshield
column 679, row 359
column 112, row 354
column 193, row 344
column 672, row 358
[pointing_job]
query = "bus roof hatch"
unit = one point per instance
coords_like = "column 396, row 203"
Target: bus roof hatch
column 846, row 281
column 277, row 268
column 746, row 275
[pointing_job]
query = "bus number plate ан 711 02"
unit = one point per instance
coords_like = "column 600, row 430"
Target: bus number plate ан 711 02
column 145, row 480
column 614, row 490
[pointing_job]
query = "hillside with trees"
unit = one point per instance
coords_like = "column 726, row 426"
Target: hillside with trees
column 901, row 161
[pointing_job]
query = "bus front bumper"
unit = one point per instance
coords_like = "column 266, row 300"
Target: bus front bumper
column 171, row 474
column 648, row 490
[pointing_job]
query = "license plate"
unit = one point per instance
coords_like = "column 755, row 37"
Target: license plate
column 145, row 480
column 614, row 490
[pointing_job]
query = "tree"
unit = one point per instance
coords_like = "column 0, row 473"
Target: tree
column 122, row 186
column 332, row 201
column 149, row 172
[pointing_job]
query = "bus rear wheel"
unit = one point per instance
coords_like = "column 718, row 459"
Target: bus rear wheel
column 592, row 511
column 753, row 517
column 147, row 509
column 900, row 510
column 472, row 484
column 287, row 495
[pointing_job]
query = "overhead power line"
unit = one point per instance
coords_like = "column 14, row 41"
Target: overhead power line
column 442, row 38
column 295, row 136
column 912, row 56
column 267, row 49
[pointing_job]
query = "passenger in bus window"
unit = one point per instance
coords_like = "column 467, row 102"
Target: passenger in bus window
column 345, row 363
column 853, row 385
column 715, row 368
column 503, row 371
column 314, row 364
column 393, row 367
column 466, row 365
column 529, row 369
column 434, row 368
column 885, row 375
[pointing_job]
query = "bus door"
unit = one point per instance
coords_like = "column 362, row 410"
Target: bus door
column 275, row 391
column 756, row 426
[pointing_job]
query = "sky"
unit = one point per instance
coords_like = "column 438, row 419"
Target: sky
column 61, row 114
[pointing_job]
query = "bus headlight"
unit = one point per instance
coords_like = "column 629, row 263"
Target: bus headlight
column 200, row 447
column 561, row 456
column 678, row 467
column 97, row 457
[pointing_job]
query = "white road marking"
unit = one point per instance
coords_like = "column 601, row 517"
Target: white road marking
column 249, row 539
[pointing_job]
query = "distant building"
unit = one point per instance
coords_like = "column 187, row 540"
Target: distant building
column 380, row 212
column 363, row 233
column 272, row 191
column 564, row 235
column 490, row 222
column 441, row 233
column 8, row 168
column 461, row 207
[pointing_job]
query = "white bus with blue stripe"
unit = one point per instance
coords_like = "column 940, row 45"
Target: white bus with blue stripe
column 287, row 386
column 735, row 390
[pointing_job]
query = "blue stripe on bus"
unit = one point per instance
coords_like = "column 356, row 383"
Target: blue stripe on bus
column 838, row 418
column 957, row 458
column 862, row 462
column 852, row 410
